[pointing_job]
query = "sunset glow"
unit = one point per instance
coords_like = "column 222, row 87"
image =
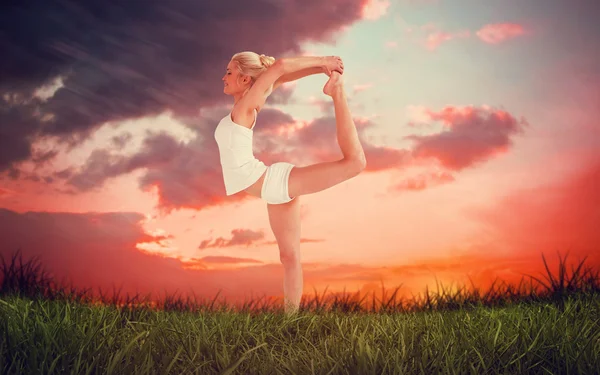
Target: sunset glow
column 480, row 124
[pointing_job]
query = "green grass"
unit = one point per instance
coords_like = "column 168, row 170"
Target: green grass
column 552, row 329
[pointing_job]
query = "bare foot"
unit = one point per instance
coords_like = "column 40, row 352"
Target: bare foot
column 334, row 84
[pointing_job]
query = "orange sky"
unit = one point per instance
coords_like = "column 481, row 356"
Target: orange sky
column 482, row 152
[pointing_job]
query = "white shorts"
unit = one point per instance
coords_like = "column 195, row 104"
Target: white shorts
column 275, row 185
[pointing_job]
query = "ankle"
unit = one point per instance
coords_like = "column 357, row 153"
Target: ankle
column 338, row 93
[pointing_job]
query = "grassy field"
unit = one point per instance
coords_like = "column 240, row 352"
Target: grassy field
column 549, row 326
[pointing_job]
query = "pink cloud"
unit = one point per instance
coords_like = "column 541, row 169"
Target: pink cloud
column 473, row 135
column 500, row 32
column 4, row 193
column 424, row 181
column 227, row 260
column 316, row 141
column 380, row 158
column 375, row 9
column 435, row 39
column 326, row 106
column 359, row 88
column 279, row 137
column 491, row 33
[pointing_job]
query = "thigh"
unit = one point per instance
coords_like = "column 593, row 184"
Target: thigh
column 285, row 223
column 318, row 177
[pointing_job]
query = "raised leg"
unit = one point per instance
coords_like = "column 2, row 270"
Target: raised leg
column 285, row 223
column 321, row 176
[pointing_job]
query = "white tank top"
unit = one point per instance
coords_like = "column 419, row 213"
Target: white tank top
column 240, row 168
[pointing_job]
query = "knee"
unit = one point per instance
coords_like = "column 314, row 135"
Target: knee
column 289, row 257
column 357, row 164
column 362, row 162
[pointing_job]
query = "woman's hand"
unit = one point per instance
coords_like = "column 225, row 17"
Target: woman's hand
column 333, row 63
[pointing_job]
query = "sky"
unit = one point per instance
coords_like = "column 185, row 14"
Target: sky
column 480, row 121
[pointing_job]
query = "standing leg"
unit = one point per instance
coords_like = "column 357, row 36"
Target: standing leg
column 285, row 223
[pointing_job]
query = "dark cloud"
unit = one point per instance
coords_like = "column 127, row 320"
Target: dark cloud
column 184, row 174
column 121, row 140
column 272, row 120
column 157, row 150
column 283, row 95
column 121, row 61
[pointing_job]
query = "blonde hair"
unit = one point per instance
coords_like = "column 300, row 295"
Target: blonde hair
column 252, row 64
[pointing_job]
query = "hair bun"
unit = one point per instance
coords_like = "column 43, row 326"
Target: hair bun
column 266, row 61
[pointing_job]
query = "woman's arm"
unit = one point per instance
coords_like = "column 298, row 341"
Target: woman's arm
column 290, row 67
column 297, row 75
column 295, row 64
column 294, row 68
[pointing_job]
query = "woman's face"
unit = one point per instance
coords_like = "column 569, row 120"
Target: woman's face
column 230, row 80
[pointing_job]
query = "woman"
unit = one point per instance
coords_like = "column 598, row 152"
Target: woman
column 250, row 78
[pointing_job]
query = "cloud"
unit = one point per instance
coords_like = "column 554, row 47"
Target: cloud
column 98, row 251
column 358, row 88
column 374, row 9
column 227, row 260
column 423, row 181
column 122, row 62
column 121, row 140
column 435, row 39
column 474, row 135
column 239, row 237
column 316, row 141
column 500, row 32
column 283, row 94
column 432, row 36
column 326, row 106
column 429, row 35
column 391, row 44
column 157, row 149
column 4, row 193
column 302, row 240
column 167, row 162
column 491, row 34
